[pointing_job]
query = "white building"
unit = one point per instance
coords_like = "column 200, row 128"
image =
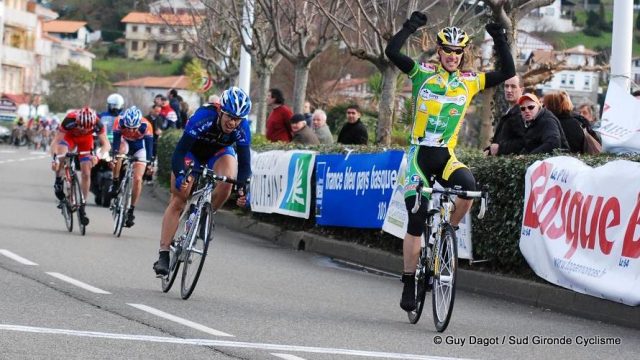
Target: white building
column 526, row 45
column 552, row 17
column 150, row 35
column 73, row 32
column 579, row 76
column 176, row 6
column 635, row 70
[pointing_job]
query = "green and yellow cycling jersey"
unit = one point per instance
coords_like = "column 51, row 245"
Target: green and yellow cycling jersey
column 440, row 100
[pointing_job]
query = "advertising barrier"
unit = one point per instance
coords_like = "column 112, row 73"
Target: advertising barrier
column 620, row 129
column 353, row 190
column 580, row 227
column 281, row 182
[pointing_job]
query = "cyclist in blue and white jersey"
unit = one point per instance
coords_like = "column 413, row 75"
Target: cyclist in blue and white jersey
column 115, row 107
column 208, row 139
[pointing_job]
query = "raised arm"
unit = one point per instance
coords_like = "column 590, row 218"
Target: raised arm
column 507, row 69
column 402, row 61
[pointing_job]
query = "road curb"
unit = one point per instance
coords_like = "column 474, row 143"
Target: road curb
column 546, row 296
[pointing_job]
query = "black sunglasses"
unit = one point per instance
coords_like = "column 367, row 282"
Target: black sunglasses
column 530, row 107
column 449, row 51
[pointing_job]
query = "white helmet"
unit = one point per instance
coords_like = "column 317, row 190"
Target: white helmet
column 115, row 101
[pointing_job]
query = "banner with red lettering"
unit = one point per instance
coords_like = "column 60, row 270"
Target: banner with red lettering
column 581, row 226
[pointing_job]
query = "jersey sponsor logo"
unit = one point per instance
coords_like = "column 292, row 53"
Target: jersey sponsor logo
column 453, row 112
column 427, row 67
column 468, row 74
column 415, row 178
column 426, row 94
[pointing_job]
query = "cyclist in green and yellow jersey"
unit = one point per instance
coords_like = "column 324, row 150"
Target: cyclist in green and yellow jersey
column 442, row 93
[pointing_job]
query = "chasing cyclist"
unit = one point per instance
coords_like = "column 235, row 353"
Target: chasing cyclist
column 76, row 132
column 115, row 107
column 208, row 140
column 442, row 93
column 137, row 133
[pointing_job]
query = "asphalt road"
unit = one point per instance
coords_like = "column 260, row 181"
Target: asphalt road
column 254, row 300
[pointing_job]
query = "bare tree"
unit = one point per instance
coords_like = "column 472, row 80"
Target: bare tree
column 506, row 13
column 301, row 32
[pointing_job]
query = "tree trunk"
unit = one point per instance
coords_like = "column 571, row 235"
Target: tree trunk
column 387, row 104
column 301, row 72
column 263, row 92
column 486, row 126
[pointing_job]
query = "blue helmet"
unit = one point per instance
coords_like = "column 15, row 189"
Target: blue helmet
column 132, row 118
column 235, row 102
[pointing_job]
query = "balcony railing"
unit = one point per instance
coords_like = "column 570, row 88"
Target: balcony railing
column 17, row 57
column 21, row 19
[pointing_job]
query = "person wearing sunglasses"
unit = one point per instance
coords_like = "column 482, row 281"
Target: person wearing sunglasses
column 542, row 133
column 209, row 139
column 441, row 95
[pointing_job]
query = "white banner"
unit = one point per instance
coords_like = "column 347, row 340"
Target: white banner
column 395, row 221
column 580, row 228
column 281, row 182
column 620, row 128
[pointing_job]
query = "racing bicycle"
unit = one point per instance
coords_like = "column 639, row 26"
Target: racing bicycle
column 73, row 199
column 438, row 262
column 121, row 202
column 195, row 232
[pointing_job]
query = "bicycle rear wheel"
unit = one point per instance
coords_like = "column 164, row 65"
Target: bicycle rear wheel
column 422, row 278
column 120, row 209
column 79, row 201
column 197, row 251
column 445, row 266
column 174, row 266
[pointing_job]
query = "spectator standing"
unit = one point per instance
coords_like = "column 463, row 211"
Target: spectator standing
column 353, row 132
column 156, row 121
column 214, row 99
column 542, row 128
column 174, row 102
column 278, row 125
column 302, row 134
column 170, row 116
column 319, row 121
column 184, row 113
column 509, row 134
column 308, row 113
column 560, row 105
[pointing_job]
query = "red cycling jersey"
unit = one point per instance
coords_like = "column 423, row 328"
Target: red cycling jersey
column 77, row 137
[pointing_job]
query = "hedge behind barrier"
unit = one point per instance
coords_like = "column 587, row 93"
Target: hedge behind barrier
column 495, row 238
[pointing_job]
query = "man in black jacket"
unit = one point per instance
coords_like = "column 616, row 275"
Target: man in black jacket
column 543, row 133
column 353, row 132
column 509, row 135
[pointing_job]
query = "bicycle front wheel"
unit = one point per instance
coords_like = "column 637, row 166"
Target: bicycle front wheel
column 445, row 266
column 79, row 201
column 121, row 207
column 67, row 214
column 196, row 251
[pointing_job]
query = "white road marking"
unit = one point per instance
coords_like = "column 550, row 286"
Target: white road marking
column 223, row 343
column 8, row 151
column 16, row 257
column 23, row 159
column 180, row 320
column 288, row 356
column 78, row 283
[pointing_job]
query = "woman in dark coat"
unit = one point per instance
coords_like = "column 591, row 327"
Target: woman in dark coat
column 560, row 105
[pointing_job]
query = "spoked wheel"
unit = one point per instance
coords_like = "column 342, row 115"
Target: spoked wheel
column 422, row 279
column 174, row 266
column 77, row 191
column 67, row 214
column 118, row 210
column 197, row 251
column 445, row 266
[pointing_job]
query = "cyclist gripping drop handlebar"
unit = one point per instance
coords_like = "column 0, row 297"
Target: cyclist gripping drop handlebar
column 441, row 96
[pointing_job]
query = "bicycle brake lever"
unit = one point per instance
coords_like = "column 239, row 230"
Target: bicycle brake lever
column 483, row 207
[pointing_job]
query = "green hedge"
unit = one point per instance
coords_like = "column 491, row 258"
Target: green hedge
column 495, row 238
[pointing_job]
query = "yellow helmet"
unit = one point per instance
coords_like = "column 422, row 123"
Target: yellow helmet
column 452, row 36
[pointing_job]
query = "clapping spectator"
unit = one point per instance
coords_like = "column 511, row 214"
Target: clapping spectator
column 319, row 121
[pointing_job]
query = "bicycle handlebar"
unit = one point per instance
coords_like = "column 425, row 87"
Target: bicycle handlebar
column 483, row 195
column 211, row 175
column 130, row 158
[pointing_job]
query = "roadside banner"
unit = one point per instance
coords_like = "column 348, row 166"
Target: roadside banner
column 395, row 221
column 620, row 129
column 281, row 182
column 353, row 190
column 580, row 227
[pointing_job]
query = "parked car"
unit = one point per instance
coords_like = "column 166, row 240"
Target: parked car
column 5, row 135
